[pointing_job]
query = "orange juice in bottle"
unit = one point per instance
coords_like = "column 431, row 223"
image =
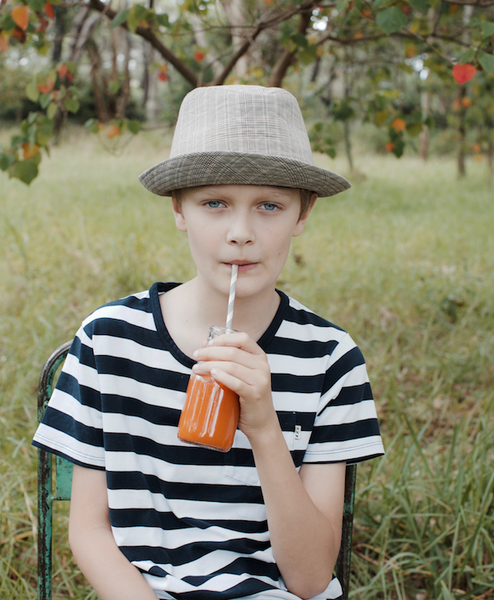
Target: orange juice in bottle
column 210, row 414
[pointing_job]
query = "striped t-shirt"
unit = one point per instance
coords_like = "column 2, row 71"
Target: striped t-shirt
column 190, row 518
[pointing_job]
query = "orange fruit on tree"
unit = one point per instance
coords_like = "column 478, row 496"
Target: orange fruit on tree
column 30, row 150
column 112, row 131
column 466, row 102
column 398, row 124
column 389, row 146
column 20, row 16
column 199, row 56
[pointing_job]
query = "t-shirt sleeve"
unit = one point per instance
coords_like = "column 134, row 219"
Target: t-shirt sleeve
column 72, row 424
column 346, row 428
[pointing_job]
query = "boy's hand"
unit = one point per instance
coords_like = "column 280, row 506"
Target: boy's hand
column 239, row 364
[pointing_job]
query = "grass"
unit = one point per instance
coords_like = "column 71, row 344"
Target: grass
column 404, row 261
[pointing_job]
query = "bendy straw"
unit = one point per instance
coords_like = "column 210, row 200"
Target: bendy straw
column 231, row 298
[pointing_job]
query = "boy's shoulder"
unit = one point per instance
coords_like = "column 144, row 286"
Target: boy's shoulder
column 134, row 306
column 297, row 314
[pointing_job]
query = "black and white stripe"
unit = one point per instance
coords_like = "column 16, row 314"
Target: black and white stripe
column 192, row 519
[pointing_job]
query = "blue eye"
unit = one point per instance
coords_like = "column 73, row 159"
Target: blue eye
column 269, row 206
column 213, row 203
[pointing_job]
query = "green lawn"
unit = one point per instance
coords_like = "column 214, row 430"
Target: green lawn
column 404, row 261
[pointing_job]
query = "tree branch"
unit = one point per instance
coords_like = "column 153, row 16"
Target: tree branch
column 288, row 56
column 148, row 35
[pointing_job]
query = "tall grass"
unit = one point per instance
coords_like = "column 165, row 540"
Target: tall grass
column 404, row 261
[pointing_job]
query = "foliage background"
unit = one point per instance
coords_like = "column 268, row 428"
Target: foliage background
column 403, row 261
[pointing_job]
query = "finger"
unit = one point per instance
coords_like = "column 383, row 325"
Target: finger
column 239, row 340
column 231, row 354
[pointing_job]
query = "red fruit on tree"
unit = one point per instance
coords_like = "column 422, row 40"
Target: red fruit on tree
column 463, row 73
column 199, row 56
column 62, row 71
column 50, row 13
column 46, row 88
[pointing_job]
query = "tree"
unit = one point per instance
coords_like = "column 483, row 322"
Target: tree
column 212, row 42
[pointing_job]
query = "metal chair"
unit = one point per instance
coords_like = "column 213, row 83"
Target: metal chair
column 63, row 483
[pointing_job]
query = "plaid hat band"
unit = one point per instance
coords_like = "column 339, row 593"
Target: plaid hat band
column 240, row 134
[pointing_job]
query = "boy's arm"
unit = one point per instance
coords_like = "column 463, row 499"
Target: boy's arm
column 108, row 571
column 305, row 509
column 304, row 512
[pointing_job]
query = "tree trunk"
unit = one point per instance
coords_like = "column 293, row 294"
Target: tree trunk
column 150, row 86
column 60, row 31
column 97, row 77
column 424, row 134
column 490, row 160
column 467, row 15
column 234, row 10
column 460, row 158
column 288, row 56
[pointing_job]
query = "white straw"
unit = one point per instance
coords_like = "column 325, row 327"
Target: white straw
column 231, row 298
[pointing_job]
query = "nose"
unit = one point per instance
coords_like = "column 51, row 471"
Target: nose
column 240, row 230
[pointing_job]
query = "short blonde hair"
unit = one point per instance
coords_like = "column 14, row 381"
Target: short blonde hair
column 305, row 199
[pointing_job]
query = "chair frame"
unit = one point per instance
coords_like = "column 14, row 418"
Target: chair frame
column 63, row 483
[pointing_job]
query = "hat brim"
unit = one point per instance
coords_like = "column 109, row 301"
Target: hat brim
column 237, row 168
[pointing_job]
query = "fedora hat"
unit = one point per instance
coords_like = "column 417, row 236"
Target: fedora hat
column 240, row 134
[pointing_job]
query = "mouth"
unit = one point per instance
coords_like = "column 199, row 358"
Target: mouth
column 243, row 265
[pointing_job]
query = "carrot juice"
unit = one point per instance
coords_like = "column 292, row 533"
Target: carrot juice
column 210, row 414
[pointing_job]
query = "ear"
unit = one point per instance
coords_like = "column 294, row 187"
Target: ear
column 299, row 227
column 179, row 216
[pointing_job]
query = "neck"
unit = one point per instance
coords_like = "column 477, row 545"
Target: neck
column 205, row 307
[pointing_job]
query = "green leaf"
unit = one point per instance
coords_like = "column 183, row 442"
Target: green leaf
column 25, row 170
column 119, row 18
column 391, row 19
column 132, row 21
column 17, row 140
column 133, row 126
column 378, row 3
column 72, row 104
column 300, row 40
column 92, row 125
column 398, row 148
column 37, row 5
column 114, row 86
column 413, row 129
column 51, row 111
column 422, row 5
column 467, row 56
column 44, row 100
column 163, row 20
column 32, row 91
column 139, row 11
column 487, row 28
column 5, row 161
column 487, row 62
column 307, row 55
column 44, row 134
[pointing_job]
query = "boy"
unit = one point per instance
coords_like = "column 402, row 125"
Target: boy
column 152, row 516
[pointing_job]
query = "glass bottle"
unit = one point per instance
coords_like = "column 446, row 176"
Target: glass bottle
column 210, row 414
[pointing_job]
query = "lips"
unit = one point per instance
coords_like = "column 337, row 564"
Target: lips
column 243, row 265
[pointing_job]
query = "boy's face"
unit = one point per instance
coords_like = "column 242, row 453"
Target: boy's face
column 248, row 225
